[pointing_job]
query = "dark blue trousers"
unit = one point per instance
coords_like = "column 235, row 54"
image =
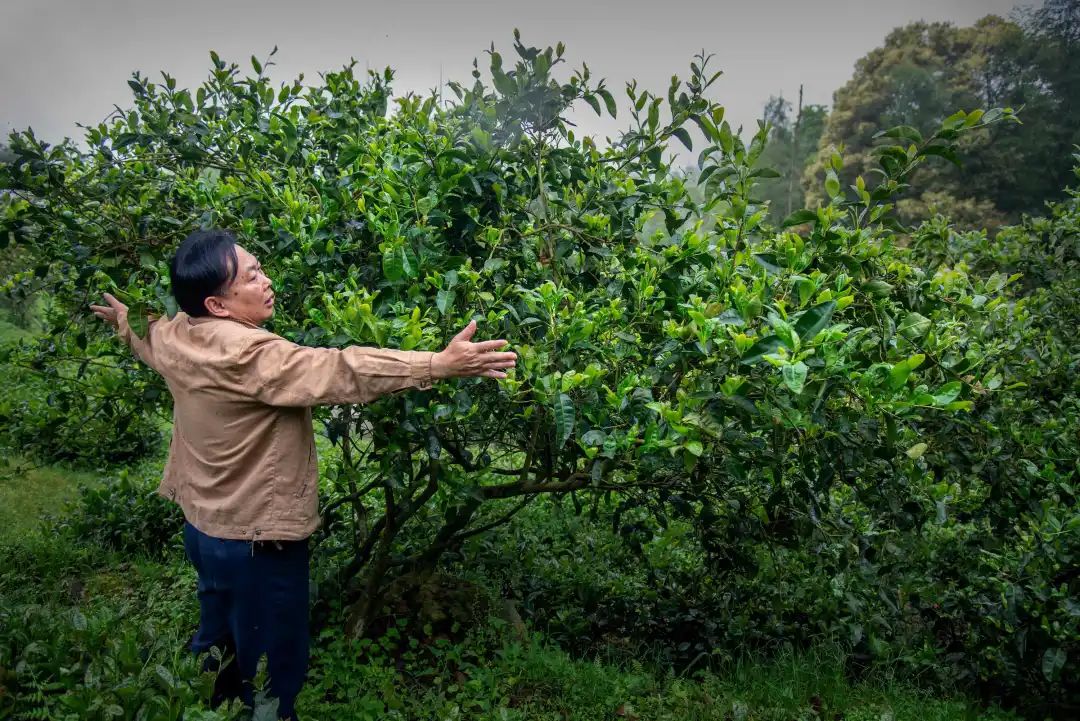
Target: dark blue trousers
column 253, row 600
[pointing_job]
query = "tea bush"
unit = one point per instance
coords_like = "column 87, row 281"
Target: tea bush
column 126, row 514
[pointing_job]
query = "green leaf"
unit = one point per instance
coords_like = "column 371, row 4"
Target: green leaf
column 901, row 371
column 786, row 333
column 593, row 102
column 444, row 300
column 832, row 184
column 611, row 446
column 768, row 262
column 902, row 132
column 716, row 173
column 684, row 136
column 265, row 708
column 731, row 316
column 947, row 393
column 609, row 101
column 137, row 319
column 799, row 217
column 916, row 451
column 914, row 326
column 805, row 288
column 1053, row 661
column 463, row 402
column 795, row 376
column 481, row 138
column 707, row 128
column 166, row 676
column 564, row 419
column 955, row 120
column 765, row 173
column 765, row 346
column 814, row 320
column 393, row 264
column 694, row 447
column 877, row 288
column 655, row 157
column 944, row 151
column 256, row 64
column 503, row 83
column 594, row 438
column 434, row 448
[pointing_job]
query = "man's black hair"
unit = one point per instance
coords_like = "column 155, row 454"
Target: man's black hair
column 204, row 265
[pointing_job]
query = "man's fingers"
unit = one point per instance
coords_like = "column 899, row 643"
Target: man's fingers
column 493, row 374
column 493, row 358
column 467, row 332
column 115, row 304
column 489, row 345
column 106, row 314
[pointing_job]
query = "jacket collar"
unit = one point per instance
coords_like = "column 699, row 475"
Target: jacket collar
column 212, row 319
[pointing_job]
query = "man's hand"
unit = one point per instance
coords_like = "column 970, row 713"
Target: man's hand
column 462, row 358
column 110, row 313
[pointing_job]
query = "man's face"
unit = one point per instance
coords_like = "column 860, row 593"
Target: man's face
column 249, row 296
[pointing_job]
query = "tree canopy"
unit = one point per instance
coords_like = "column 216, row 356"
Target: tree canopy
column 924, row 71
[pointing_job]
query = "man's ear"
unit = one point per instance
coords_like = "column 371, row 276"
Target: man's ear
column 215, row 307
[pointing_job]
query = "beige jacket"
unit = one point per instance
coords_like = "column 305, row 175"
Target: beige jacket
column 242, row 461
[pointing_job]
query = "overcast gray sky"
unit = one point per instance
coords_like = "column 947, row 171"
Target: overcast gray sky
column 67, row 61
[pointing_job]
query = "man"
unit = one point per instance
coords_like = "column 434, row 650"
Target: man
column 242, row 462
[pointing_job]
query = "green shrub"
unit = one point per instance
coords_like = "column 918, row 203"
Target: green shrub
column 959, row 565
column 87, row 636
column 56, row 406
column 125, row 513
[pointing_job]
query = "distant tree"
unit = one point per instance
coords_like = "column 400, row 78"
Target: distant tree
column 1053, row 33
column 925, row 72
column 793, row 144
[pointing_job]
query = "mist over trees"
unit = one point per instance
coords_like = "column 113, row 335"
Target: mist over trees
column 793, row 144
column 923, row 73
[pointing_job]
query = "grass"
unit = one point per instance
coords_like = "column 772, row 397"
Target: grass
column 29, row 492
column 537, row 681
column 11, row 333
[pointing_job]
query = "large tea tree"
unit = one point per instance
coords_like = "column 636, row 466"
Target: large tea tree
column 672, row 353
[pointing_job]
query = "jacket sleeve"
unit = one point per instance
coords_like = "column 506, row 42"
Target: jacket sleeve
column 143, row 348
column 281, row 373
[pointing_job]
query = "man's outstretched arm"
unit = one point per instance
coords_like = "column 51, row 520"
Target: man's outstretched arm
column 279, row 372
